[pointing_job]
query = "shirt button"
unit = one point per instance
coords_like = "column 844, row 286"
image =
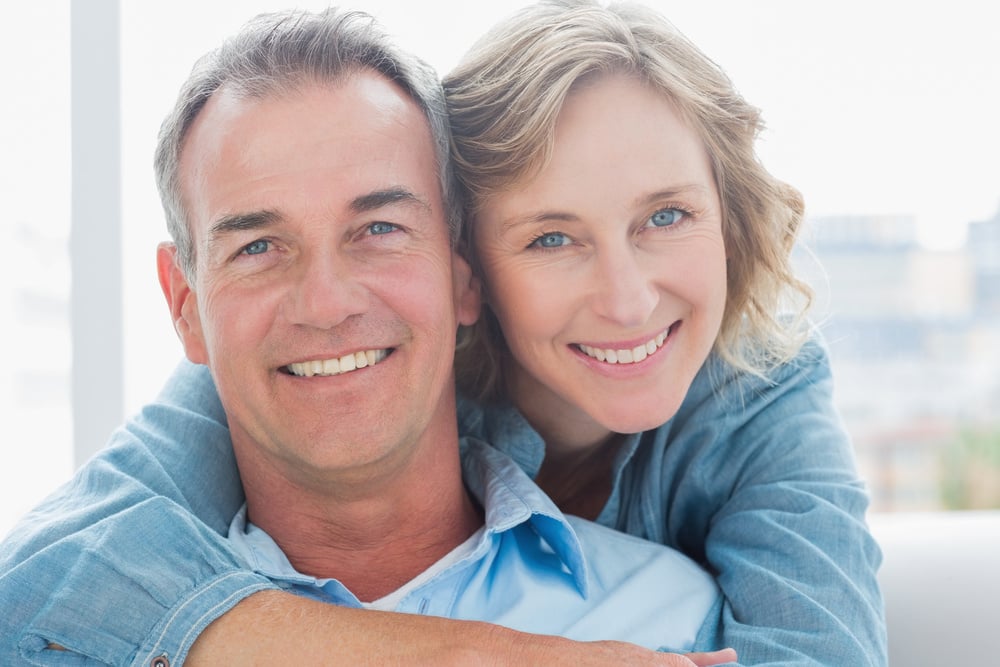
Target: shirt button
column 160, row 661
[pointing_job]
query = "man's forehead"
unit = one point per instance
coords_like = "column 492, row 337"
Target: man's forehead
column 365, row 101
column 363, row 134
column 366, row 91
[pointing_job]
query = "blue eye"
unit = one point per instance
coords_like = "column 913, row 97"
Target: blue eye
column 666, row 217
column 379, row 228
column 550, row 240
column 258, row 247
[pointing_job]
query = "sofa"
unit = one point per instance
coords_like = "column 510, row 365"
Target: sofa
column 941, row 581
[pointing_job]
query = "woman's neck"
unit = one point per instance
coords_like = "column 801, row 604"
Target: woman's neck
column 579, row 480
column 579, row 452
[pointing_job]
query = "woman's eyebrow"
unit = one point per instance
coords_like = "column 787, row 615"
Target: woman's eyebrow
column 536, row 217
column 670, row 193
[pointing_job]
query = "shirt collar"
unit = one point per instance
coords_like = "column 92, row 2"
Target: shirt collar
column 503, row 425
column 506, row 429
column 509, row 499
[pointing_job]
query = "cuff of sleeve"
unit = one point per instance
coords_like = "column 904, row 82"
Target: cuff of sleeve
column 171, row 639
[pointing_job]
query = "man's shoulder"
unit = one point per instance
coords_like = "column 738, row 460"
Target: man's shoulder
column 608, row 549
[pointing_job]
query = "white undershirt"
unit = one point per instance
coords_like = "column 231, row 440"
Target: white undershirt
column 389, row 602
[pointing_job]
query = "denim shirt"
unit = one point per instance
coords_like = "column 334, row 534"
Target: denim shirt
column 756, row 480
column 536, row 570
column 753, row 479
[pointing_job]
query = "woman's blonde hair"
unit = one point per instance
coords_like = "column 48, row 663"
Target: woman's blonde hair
column 503, row 101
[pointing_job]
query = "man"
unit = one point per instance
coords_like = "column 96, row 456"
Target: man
column 304, row 175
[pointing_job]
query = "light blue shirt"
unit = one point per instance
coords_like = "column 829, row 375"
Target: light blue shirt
column 753, row 479
column 534, row 569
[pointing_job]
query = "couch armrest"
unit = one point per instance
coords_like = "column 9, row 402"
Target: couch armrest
column 941, row 581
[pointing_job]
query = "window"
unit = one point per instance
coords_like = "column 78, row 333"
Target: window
column 886, row 125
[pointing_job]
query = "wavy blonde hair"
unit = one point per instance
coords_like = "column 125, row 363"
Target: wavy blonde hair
column 503, row 102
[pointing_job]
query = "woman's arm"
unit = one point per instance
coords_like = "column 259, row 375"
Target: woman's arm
column 131, row 555
column 279, row 628
column 786, row 533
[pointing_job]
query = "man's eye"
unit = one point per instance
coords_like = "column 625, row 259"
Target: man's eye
column 258, row 247
column 377, row 228
column 550, row 240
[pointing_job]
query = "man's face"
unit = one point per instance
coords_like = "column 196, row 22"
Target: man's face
column 326, row 297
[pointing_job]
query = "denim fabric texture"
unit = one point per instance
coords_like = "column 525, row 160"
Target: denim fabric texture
column 755, row 480
column 536, row 570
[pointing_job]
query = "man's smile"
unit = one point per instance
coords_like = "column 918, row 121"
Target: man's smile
column 339, row 365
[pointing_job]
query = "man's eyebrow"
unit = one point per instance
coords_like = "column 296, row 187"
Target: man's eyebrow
column 380, row 198
column 240, row 222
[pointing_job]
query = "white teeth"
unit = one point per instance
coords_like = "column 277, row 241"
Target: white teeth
column 632, row 356
column 344, row 364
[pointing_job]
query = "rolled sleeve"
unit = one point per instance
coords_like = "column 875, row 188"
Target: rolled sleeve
column 124, row 602
column 128, row 561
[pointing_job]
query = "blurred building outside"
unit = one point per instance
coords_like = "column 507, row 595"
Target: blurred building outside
column 914, row 336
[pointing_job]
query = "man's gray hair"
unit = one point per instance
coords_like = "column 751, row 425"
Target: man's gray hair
column 273, row 54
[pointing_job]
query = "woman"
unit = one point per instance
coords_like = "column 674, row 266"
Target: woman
column 623, row 228
column 633, row 255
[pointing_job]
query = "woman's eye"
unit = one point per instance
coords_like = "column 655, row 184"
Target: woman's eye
column 258, row 247
column 666, row 217
column 550, row 240
column 377, row 228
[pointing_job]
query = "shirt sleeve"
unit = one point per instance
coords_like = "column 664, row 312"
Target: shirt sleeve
column 128, row 561
column 787, row 541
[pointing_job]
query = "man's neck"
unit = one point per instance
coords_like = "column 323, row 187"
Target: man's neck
column 373, row 537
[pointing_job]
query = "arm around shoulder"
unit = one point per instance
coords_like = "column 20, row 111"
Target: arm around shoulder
column 789, row 543
column 279, row 628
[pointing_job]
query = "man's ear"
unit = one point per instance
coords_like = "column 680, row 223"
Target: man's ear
column 182, row 302
column 468, row 291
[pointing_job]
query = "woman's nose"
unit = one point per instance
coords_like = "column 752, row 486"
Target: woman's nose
column 625, row 293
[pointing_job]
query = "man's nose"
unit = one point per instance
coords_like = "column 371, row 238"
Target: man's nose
column 325, row 292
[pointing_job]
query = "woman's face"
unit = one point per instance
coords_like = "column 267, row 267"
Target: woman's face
column 607, row 271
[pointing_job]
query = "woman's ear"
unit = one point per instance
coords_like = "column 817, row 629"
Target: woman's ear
column 182, row 303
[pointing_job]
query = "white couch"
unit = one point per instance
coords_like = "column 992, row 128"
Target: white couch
column 941, row 581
